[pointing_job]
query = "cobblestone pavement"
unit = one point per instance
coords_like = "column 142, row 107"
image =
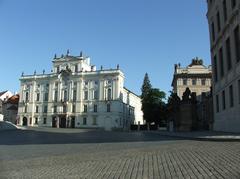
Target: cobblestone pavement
column 163, row 158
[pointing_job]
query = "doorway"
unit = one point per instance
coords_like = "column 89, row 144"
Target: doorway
column 73, row 122
column 25, row 121
column 62, row 122
column 54, row 121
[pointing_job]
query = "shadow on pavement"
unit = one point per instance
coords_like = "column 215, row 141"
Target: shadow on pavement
column 71, row 136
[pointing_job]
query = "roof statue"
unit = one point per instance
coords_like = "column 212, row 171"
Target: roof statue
column 196, row 61
column 81, row 54
column 68, row 52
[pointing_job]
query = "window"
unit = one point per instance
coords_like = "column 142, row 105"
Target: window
column 225, row 10
column 185, row 82
column 36, row 120
column 94, row 122
column 233, row 2
column 96, row 83
column 218, row 22
column 74, row 95
column 213, row 32
column 73, row 108
column 26, row 97
column 56, row 84
column 46, row 97
column 45, row 120
column 95, row 94
column 85, row 108
column 45, row 109
column 76, row 68
column 38, row 97
column 217, row 103
column 109, row 94
column 203, row 81
column 194, row 81
column 215, row 68
column 75, row 84
column 36, row 109
column 55, row 95
column 237, row 43
column 25, row 109
column 84, row 121
column 86, row 83
column 221, row 62
column 64, row 109
column 54, row 109
column 223, row 100
column 58, row 69
column 231, row 96
column 109, row 82
column 239, row 91
column 65, row 95
column 108, row 108
column 85, row 95
column 95, row 108
column 228, row 51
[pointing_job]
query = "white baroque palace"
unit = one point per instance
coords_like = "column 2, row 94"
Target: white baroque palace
column 75, row 94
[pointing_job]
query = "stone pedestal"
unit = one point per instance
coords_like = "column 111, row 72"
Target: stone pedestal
column 186, row 120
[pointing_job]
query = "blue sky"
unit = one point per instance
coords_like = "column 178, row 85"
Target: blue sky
column 140, row 35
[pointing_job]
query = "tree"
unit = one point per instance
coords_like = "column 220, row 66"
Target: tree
column 146, row 87
column 156, row 106
column 153, row 105
column 173, row 108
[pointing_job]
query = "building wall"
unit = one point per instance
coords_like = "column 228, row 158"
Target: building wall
column 107, row 85
column 226, row 63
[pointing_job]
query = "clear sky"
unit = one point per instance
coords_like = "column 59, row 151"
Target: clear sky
column 139, row 35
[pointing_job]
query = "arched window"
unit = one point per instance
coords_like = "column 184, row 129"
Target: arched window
column 109, row 94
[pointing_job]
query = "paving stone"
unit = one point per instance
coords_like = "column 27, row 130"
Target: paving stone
column 161, row 158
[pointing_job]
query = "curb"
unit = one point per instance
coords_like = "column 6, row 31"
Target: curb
column 199, row 138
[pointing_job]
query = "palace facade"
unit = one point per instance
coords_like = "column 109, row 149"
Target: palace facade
column 196, row 77
column 76, row 94
column 224, row 28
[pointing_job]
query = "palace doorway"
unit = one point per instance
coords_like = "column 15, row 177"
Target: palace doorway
column 25, row 121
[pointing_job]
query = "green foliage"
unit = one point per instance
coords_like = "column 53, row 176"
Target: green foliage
column 153, row 106
column 146, row 87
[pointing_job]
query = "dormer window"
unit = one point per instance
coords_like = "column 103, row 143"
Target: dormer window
column 76, row 68
column 58, row 69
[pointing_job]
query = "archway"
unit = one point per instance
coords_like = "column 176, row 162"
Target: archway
column 25, row 121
